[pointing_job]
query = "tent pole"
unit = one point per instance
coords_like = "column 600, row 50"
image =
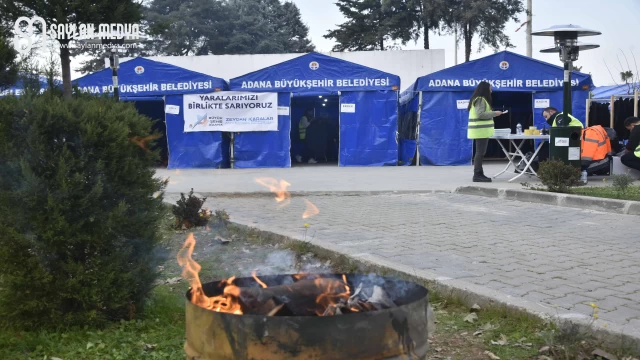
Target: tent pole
column 233, row 160
column 611, row 115
column 586, row 121
column 418, row 129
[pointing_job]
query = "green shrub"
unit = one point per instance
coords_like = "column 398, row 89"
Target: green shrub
column 79, row 211
column 621, row 183
column 558, row 176
column 189, row 212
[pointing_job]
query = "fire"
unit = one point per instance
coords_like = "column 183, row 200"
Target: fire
column 334, row 293
column 279, row 188
column 310, row 211
column 253, row 273
column 228, row 302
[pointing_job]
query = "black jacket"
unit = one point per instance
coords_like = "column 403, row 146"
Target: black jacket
column 634, row 139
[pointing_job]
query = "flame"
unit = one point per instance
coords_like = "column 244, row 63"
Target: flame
column 228, row 302
column 253, row 273
column 334, row 293
column 279, row 188
column 311, row 210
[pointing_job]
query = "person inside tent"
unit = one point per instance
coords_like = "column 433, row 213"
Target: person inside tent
column 305, row 121
column 631, row 157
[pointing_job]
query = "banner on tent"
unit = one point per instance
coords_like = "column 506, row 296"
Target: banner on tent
column 231, row 111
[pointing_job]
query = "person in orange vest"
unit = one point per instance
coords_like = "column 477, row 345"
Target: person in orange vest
column 631, row 157
column 595, row 144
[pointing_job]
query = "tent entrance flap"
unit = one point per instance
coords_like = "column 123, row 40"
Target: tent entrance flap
column 520, row 112
column 318, row 138
column 369, row 128
column 154, row 109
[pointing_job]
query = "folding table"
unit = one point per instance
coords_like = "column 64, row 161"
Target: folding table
column 517, row 141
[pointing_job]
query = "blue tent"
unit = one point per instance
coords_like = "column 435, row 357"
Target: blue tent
column 519, row 83
column 142, row 79
column 367, row 117
column 605, row 92
column 18, row 87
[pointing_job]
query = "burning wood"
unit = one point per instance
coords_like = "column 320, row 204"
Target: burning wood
column 306, row 295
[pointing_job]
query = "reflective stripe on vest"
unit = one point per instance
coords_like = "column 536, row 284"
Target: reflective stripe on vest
column 574, row 121
column 637, row 152
column 302, row 129
column 479, row 129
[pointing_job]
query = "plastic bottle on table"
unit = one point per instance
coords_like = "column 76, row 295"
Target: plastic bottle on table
column 583, row 177
column 519, row 129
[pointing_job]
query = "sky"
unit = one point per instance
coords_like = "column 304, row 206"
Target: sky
column 615, row 19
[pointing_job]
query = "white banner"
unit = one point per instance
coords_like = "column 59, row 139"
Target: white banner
column 231, row 111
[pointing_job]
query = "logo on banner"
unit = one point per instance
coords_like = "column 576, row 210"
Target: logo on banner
column 201, row 120
column 504, row 65
column 314, row 65
column 139, row 69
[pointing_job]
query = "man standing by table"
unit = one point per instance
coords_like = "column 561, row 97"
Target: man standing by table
column 481, row 126
column 631, row 157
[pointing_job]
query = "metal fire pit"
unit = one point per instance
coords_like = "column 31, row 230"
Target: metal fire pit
column 395, row 333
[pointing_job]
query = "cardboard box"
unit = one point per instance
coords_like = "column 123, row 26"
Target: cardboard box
column 618, row 168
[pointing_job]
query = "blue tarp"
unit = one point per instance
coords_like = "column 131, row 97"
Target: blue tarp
column 605, row 92
column 192, row 150
column 18, row 87
column 443, row 127
column 367, row 136
column 142, row 77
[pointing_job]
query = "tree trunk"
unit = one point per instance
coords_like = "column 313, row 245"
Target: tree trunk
column 426, row 34
column 65, row 62
column 468, row 36
column 381, row 43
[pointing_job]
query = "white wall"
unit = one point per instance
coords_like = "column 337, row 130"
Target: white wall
column 408, row 64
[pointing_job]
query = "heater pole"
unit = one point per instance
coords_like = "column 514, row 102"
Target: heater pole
column 566, row 109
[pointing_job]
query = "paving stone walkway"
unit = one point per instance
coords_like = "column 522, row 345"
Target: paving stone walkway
column 562, row 257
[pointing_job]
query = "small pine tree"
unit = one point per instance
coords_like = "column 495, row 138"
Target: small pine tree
column 80, row 211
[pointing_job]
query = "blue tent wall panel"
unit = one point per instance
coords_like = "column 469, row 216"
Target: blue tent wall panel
column 189, row 150
column 443, row 129
column 368, row 136
column 266, row 149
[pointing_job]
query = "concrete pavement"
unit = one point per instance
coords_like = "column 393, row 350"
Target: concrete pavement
column 331, row 178
column 545, row 258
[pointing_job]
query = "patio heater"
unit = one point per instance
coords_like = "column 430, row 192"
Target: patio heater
column 112, row 41
column 566, row 44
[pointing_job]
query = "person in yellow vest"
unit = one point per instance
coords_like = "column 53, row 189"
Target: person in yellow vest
column 551, row 114
column 481, row 126
column 631, row 157
column 304, row 123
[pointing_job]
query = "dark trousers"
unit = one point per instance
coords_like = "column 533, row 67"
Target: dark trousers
column 481, row 150
column 630, row 160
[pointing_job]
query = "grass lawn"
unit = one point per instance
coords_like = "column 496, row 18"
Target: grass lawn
column 632, row 193
column 161, row 333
